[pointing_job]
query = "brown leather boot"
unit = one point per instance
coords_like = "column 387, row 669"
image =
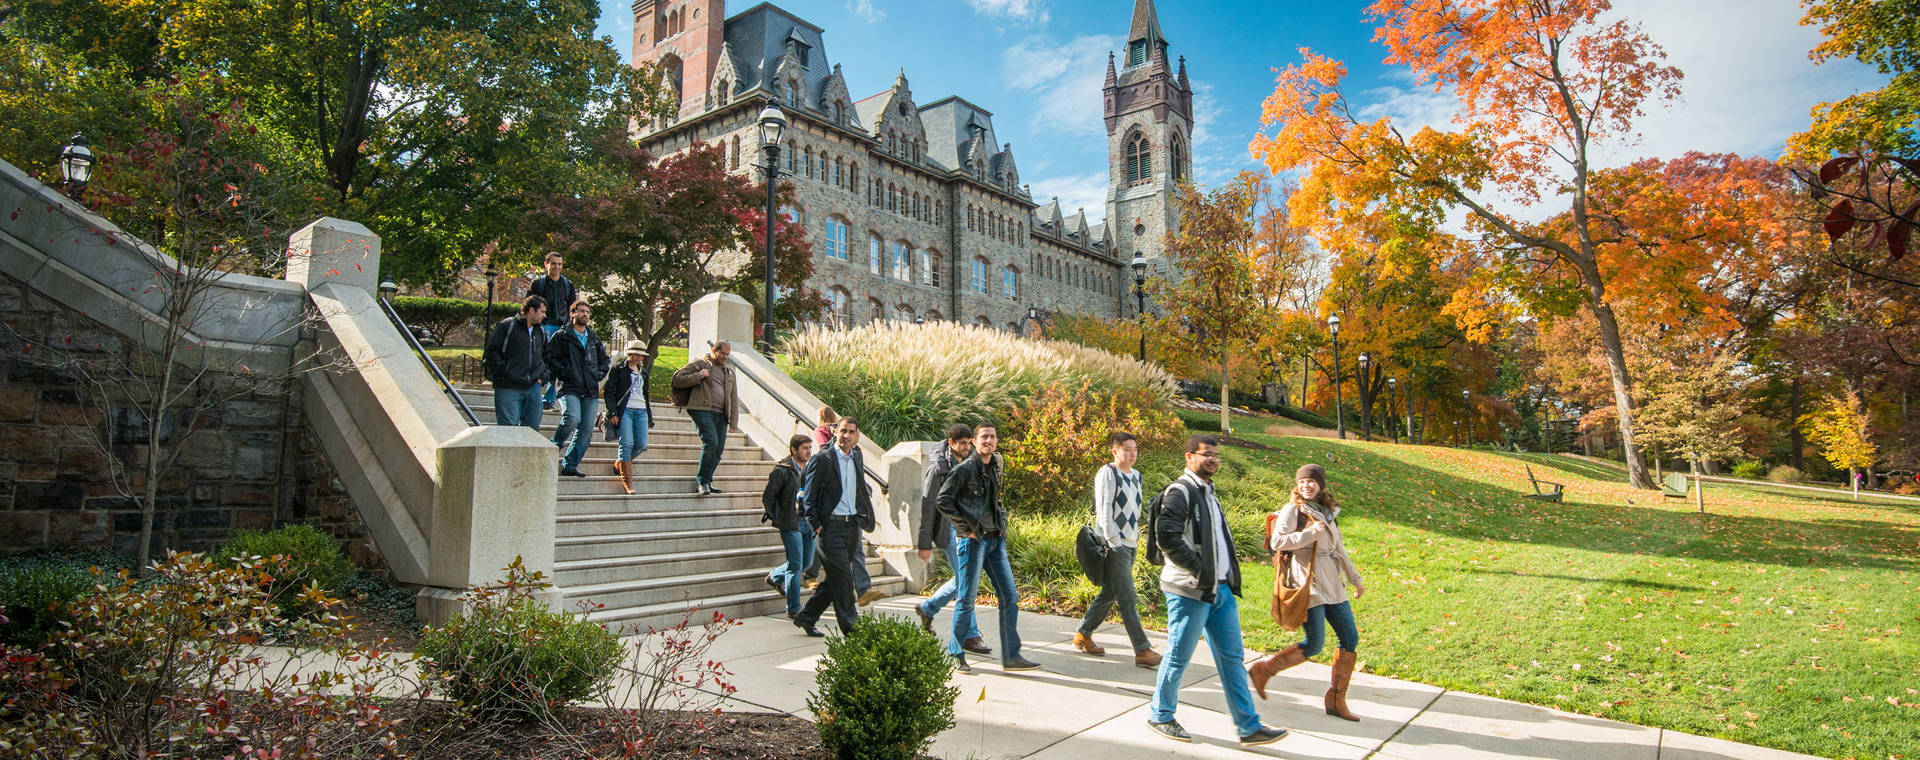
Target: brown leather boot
column 1342, row 674
column 1146, row 658
column 1085, row 643
column 1265, row 667
column 625, row 468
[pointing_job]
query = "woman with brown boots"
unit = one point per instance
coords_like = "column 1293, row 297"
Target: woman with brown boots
column 1308, row 527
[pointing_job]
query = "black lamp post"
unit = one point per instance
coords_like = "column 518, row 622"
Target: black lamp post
column 493, row 276
column 387, row 289
column 1339, row 414
column 772, row 123
column 1140, row 299
column 76, row 166
column 1393, row 394
column 1366, row 403
column 1466, row 405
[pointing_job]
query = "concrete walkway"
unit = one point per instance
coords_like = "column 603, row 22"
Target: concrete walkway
column 1085, row 707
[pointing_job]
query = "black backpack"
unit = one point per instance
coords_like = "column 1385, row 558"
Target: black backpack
column 1152, row 548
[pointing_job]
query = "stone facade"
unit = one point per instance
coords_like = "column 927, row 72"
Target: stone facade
column 249, row 467
column 914, row 211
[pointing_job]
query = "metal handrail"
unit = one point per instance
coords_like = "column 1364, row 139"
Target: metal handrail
column 394, row 317
column 801, row 417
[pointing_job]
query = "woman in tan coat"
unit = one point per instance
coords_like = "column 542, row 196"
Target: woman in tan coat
column 1309, row 527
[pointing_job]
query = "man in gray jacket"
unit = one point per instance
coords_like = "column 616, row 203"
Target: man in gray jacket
column 706, row 390
column 936, row 531
column 1201, row 579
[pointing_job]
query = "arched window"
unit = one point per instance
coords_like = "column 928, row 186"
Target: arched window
column 836, row 173
column 930, row 268
column 733, row 154
column 905, row 312
column 933, row 315
column 671, row 72
column 1010, row 283
column 979, row 282
column 902, row 261
column 875, row 312
column 792, row 150
column 1139, row 159
column 1178, row 157
column 837, row 243
column 874, row 254
column 806, row 165
column 839, row 308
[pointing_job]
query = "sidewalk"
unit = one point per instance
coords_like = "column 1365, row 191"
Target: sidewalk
column 1084, row 707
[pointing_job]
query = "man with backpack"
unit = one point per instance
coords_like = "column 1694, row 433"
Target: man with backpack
column 559, row 293
column 1116, row 524
column 1201, row 579
column 516, row 365
column 578, row 362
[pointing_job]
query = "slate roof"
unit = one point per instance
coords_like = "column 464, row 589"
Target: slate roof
column 758, row 37
column 949, row 124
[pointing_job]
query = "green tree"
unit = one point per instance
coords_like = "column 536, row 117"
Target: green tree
column 1884, row 34
column 1217, row 257
column 1692, row 400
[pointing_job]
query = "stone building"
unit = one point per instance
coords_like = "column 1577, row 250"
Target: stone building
column 917, row 210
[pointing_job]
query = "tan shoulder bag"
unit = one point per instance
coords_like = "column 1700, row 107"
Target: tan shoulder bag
column 1290, row 602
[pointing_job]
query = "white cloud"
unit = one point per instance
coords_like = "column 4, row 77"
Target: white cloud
column 1065, row 80
column 1076, row 192
column 1206, row 111
column 1409, row 104
column 1025, row 11
column 865, row 10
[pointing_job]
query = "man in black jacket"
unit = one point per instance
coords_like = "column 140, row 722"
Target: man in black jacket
column 515, row 363
column 780, row 505
column 936, row 531
column 1201, row 580
column 560, row 294
column 970, row 499
column 840, row 505
column 578, row 362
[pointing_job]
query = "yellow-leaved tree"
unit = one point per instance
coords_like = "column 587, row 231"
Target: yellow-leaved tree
column 1838, row 428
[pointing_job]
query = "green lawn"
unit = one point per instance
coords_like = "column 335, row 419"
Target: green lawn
column 1776, row 619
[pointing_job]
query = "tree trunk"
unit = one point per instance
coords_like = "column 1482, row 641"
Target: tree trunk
column 1306, row 373
column 1794, row 438
column 1226, row 412
column 1622, row 393
column 1853, row 478
column 1699, row 498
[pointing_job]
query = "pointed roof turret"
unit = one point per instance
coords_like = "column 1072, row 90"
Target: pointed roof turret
column 1183, row 72
column 1113, row 78
column 1146, row 23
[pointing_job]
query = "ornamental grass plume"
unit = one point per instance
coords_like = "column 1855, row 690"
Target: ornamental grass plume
column 908, row 381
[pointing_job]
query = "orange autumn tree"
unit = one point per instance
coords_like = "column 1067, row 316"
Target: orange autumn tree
column 1539, row 84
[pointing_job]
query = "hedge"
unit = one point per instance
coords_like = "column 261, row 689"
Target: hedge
column 444, row 316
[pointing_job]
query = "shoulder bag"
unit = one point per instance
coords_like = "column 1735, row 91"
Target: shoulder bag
column 1290, row 602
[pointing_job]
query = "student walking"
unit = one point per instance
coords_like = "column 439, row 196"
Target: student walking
column 1201, row 580
column 629, row 400
column 705, row 388
column 577, row 361
column 515, row 363
column 970, row 500
column 1116, row 522
column 823, row 435
column 559, row 293
column 1308, row 527
column 840, row 504
column 780, row 505
column 936, row 531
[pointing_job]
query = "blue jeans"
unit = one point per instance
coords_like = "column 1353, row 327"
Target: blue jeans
column 547, row 400
column 713, row 441
column 988, row 555
column 951, row 589
column 633, row 432
column 1340, row 616
column 576, row 428
column 800, row 547
column 1187, row 620
column 517, row 406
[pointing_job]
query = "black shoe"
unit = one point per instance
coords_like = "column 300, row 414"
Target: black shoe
column 546, row 406
column 777, row 588
column 976, row 645
column 1266, row 735
column 572, row 472
column 808, row 627
column 960, row 665
column 1018, row 664
column 711, row 490
column 926, row 620
column 1171, row 729
column 699, row 488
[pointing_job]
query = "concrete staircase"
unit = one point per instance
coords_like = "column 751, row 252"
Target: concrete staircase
column 652, row 558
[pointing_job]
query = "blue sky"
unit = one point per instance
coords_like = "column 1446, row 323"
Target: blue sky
column 1038, row 65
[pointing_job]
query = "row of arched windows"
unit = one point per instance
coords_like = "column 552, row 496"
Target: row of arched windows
column 1078, row 276
column 840, row 310
column 905, row 202
column 997, row 226
column 1139, row 158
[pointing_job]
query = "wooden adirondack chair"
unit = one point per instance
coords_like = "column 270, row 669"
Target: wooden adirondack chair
column 1543, row 494
column 1674, row 485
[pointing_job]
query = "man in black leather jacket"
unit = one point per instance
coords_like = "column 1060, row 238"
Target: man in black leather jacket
column 970, row 499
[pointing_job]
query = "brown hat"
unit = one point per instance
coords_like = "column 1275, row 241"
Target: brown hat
column 1314, row 471
column 637, row 347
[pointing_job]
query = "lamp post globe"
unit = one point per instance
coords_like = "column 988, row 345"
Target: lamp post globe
column 772, row 123
column 1139, row 265
column 1339, row 413
column 76, row 165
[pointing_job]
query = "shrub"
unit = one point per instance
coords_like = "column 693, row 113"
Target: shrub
column 35, row 589
column 444, row 316
column 1786, row 474
column 1751, row 470
column 294, row 558
column 510, row 658
column 882, row 691
column 1055, row 444
column 907, row 382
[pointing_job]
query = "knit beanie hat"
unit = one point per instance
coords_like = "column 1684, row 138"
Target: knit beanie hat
column 1318, row 473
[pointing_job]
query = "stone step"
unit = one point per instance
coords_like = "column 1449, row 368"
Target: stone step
column 567, row 526
column 687, row 448
column 757, row 600
column 575, row 548
column 659, row 484
column 616, row 504
column 657, row 468
column 606, row 570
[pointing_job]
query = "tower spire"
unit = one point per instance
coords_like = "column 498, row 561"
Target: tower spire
column 1113, row 78
column 1146, row 23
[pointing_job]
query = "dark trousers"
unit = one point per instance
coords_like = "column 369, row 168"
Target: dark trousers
column 1116, row 589
column 839, row 549
column 861, row 580
column 713, row 441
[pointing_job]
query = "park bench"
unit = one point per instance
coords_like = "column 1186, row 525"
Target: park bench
column 1674, row 485
column 1541, row 493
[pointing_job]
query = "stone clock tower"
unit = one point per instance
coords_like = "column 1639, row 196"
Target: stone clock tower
column 1149, row 115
